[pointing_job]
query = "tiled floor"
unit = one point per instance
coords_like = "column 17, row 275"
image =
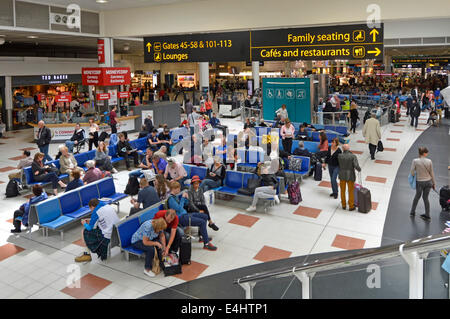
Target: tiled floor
column 41, row 267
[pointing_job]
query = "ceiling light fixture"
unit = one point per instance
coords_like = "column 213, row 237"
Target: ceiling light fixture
column 101, row 1
column 32, row 37
column 2, row 41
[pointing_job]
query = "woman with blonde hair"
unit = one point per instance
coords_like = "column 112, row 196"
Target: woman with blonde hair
column 149, row 236
column 68, row 163
column 102, row 159
column 162, row 187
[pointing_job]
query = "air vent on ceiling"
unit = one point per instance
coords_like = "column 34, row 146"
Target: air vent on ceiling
column 58, row 18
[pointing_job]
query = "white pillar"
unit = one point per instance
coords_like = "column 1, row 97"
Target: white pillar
column 255, row 74
column 203, row 75
column 109, row 53
column 8, row 102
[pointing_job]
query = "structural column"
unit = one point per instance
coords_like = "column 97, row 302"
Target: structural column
column 8, row 103
column 203, row 76
column 255, row 74
column 109, row 53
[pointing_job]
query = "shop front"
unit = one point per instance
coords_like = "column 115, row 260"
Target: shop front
column 48, row 94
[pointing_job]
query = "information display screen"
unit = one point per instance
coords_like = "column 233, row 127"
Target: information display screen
column 226, row 46
column 348, row 42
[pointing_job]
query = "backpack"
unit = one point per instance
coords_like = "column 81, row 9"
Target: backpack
column 132, row 186
column 12, row 189
column 295, row 196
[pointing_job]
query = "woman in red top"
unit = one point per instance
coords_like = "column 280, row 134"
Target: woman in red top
column 208, row 106
column 113, row 120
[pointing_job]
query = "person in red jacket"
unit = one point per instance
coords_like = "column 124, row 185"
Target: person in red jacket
column 173, row 233
column 113, row 120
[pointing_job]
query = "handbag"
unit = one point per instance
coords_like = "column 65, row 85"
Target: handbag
column 412, row 181
column 380, row 147
column 156, row 268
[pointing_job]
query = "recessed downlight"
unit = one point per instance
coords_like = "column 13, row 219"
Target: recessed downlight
column 32, row 36
column 101, row 1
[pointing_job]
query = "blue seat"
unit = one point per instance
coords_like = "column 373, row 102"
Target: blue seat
column 187, row 168
column 148, row 215
column 113, row 139
column 228, row 190
column 87, row 193
column 70, row 202
column 306, row 163
column 81, row 159
column 125, row 231
column 245, row 179
column 107, row 189
column 199, row 171
column 234, row 179
column 242, row 155
column 49, row 214
column 90, row 154
column 313, row 147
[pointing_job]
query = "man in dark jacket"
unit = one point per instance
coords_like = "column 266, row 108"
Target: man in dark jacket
column 415, row 113
column 125, row 150
column 148, row 124
column 348, row 162
column 44, row 136
column 77, row 137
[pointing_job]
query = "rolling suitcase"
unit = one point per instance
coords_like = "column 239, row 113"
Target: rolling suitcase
column 364, row 198
column 186, row 247
column 295, row 196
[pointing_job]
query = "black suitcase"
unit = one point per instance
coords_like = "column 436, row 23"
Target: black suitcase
column 364, row 200
column 186, row 247
column 444, row 196
column 318, row 171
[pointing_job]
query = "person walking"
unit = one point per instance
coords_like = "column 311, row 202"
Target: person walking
column 348, row 162
column 372, row 133
column 44, row 136
column 333, row 165
column 113, row 120
column 287, row 133
column 354, row 115
column 422, row 168
column 415, row 113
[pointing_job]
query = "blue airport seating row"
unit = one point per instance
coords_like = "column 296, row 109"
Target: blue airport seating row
column 58, row 212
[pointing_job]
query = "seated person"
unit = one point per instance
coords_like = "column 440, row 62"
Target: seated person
column 93, row 173
column 67, row 162
column 162, row 187
column 173, row 233
column 77, row 137
column 248, row 124
column 45, row 173
column 76, row 180
column 301, row 150
column 175, row 171
column 147, row 196
column 196, row 219
column 146, row 163
column 102, row 159
column 432, row 118
column 143, row 132
column 39, row 196
column 24, row 162
column 159, row 164
column 97, row 239
column 262, row 123
column 197, row 200
column 162, row 152
column 302, row 133
column 150, row 235
column 214, row 175
column 164, row 138
column 269, row 190
column 125, row 150
column 215, row 123
column 153, row 140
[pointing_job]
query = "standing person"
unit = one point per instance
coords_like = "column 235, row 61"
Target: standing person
column 197, row 199
column 348, row 162
column 44, row 136
column 149, row 236
column 188, row 107
column 97, row 230
column 415, row 113
column 45, row 173
column 372, row 133
column 422, row 168
column 439, row 107
column 354, row 116
column 282, row 112
column 287, row 133
column 113, row 120
column 147, row 196
column 208, row 106
column 333, row 165
column 192, row 219
column 93, row 133
column 148, row 124
column 125, row 150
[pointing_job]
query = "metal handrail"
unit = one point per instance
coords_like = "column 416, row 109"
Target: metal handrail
column 420, row 246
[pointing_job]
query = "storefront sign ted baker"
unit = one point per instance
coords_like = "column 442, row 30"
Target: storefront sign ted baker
column 103, row 96
column 106, row 76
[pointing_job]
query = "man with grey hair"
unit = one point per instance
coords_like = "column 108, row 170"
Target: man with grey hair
column 43, row 138
column 347, row 165
column 93, row 173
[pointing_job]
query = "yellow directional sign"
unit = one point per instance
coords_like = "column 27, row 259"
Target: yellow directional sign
column 376, row 52
column 148, row 45
column 374, row 34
